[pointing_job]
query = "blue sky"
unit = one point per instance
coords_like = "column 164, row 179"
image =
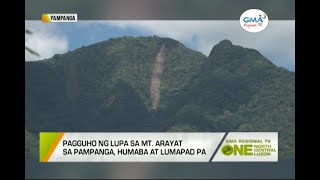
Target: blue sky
column 97, row 32
column 276, row 42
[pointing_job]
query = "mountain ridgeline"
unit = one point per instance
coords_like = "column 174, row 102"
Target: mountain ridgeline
column 157, row 84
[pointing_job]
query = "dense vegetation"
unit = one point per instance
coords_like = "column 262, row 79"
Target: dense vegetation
column 106, row 87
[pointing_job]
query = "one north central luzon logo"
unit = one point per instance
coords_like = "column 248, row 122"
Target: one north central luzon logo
column 59, row 18
column 248, row 148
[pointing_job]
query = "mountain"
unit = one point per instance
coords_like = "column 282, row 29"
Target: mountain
column 158, row 84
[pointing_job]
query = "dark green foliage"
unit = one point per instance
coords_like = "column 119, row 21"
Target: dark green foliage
column 31, row 145
column 106, row 87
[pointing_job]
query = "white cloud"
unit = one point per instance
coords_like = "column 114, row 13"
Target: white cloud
column 45, row 39
column 276, row 42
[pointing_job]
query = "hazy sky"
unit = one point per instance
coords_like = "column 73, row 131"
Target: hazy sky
column 276, row 42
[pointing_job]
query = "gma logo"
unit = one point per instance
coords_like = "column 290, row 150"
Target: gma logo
column 253, row 20
column 242, row 150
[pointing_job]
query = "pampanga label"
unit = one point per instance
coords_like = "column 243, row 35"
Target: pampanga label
column 48, row 18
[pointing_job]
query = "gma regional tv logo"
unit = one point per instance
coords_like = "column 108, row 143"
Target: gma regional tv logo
column 48, row 18
column 248, row 147
column 254, row 20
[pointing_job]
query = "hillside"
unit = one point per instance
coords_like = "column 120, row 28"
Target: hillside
column 158, row 84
